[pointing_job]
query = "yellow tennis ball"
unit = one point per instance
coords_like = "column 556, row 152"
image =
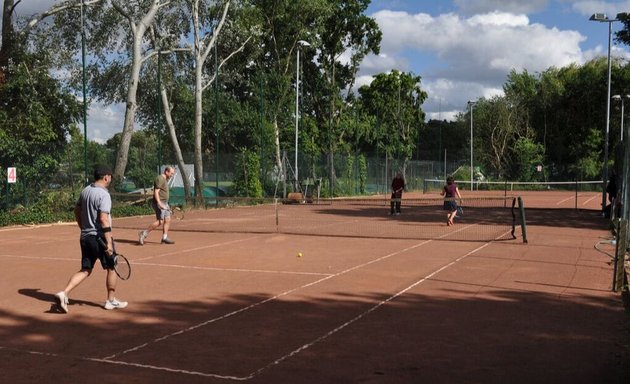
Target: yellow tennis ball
column 299, row 254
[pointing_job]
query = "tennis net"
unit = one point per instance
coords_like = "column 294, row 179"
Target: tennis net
column 433, row 185
column 483, row 218
column 551, row 195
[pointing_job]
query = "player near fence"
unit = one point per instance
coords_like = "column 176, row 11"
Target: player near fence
column 160, row 206
column 92, row 214
column 398, row 185
column 450, row 193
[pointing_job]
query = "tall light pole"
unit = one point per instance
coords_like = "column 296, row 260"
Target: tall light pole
column 471, row 104
column 619, row 97
column 86, row 179
column 602, row 18
column 300, row 43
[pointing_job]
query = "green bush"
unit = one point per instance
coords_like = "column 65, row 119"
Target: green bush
column 58, row 206
column 247, row 175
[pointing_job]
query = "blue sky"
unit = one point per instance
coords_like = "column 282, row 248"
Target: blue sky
column 462, row 49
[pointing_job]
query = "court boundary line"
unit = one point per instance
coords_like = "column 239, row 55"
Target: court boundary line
column 233, row 269
column 183, row 251
column 367, row 312
column 285, row 293
column 179, row 266
column 110, row 359
column 271, row 298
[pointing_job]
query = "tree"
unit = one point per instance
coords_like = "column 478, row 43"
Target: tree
column 347, row 31
column 396, row 99
column 36, row 111
column 284, row 23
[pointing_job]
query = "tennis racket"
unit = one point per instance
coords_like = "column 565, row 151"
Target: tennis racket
column 460, row 211
column 178, row 213
column 122, row 267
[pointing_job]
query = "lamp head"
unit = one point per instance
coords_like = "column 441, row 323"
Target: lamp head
column 601, row 17
column 616, row 97
column 304, row 43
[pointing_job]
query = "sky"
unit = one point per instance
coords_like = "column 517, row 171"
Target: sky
column 461, row 49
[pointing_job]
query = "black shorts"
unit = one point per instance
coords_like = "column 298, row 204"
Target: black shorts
column 92, row 250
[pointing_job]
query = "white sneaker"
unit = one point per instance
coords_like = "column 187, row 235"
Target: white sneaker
column 62, row 301
column 115, row 304
column 141, row 236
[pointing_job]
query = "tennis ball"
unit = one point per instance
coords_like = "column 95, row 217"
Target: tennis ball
column 299, row 254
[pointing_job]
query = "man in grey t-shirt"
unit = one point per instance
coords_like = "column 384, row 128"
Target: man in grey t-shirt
column 93, row 215
column 161, row 207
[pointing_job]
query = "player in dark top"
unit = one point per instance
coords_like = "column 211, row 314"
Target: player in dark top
column 450, row 193
column 398, row 185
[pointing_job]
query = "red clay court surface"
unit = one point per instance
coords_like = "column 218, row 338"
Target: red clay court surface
column 243, row 307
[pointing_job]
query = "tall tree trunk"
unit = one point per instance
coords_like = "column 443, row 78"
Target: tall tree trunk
column 201, row 51
column 138, row 30
column 198, row 124
column 130, row 114
column 172, row 132
column 276, row 138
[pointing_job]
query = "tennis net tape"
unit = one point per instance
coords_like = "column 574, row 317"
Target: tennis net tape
column 481, row 219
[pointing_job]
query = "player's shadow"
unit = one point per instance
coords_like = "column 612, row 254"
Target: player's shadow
column 127, row 241
column 50, row 298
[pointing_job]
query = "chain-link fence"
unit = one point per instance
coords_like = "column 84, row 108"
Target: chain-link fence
column 338, row 175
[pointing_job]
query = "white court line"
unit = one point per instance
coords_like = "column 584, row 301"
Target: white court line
column 589, row 200
column 109, row 359
column 234, row 269
column 51, row 354
column 74, row 259
column 573, row 198
column 362, row 315
column 36, row 226
column 275, row 297
column 565, row 200
column 198, row 248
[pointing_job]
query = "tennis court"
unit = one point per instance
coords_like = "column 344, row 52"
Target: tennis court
column 239, row 305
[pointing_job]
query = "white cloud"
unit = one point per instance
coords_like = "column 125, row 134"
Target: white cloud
column 589, row 7
column 104, row 121
column 461, row 59
column 471, row 7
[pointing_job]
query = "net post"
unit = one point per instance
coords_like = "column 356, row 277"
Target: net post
column 620, row 255
column 521, row 209
column 576, row 194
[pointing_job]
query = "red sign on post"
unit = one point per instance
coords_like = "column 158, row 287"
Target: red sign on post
column 11, row 175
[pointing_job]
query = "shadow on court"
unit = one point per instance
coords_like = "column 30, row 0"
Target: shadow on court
column 452, row 333
column 50, row 298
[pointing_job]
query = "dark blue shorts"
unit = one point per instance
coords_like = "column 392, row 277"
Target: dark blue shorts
column 450, row 205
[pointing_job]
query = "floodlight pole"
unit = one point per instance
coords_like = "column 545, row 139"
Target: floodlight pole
column 300, row 44
column 471, row 104
column 86, row 180
column 622, row 99
column 601, row 17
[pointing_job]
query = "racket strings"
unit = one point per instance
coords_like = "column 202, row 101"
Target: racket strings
column 122, row 267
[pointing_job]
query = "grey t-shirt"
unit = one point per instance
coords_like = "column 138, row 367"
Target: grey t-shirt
column 94, row 200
